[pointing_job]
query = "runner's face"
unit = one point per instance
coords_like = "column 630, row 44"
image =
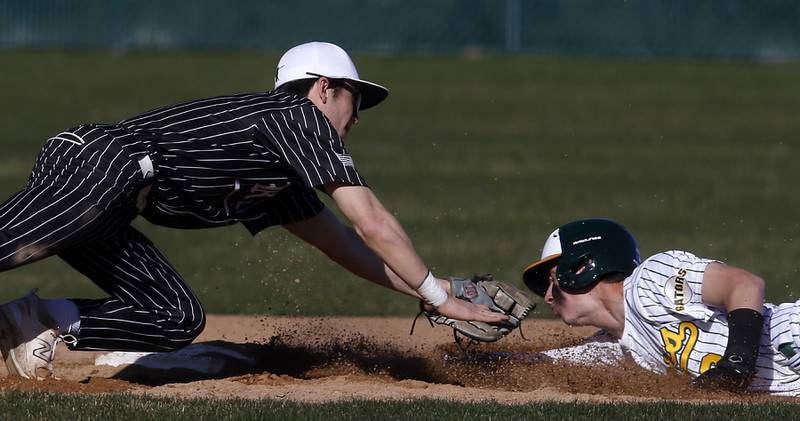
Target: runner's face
column 573, row 309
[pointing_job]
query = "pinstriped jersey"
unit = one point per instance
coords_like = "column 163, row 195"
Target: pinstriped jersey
column 253, row 158
column 668, row 325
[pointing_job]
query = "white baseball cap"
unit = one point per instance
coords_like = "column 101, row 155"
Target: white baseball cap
column 314, row 59
column 536, row 276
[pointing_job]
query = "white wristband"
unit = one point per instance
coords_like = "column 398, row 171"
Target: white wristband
column 431, row 291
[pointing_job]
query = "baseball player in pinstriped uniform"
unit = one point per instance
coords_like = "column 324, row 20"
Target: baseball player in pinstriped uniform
column 254, row 159
column 673, row 309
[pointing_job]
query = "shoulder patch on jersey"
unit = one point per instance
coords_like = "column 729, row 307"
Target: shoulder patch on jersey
column 345, row 159
column 677, row 289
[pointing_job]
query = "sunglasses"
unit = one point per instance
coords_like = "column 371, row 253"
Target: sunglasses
column 346, row 85
column 349, row 87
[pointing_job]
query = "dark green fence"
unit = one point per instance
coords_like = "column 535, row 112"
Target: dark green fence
column 766, row 29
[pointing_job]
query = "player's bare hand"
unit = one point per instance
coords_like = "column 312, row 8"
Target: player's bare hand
column 464, row 310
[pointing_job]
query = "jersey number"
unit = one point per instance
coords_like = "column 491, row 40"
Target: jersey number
column 679, row 345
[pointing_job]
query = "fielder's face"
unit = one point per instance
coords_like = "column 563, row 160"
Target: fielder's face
column 341, row 107
column 573, row 309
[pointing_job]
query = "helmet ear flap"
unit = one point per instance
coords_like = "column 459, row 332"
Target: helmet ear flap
column 584, row 264
column 579, row 275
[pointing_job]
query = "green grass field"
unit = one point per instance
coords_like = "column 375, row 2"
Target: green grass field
column 119, row 407
column 480, row 160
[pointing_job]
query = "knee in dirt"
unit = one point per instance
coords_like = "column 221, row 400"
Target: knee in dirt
column 185, row 332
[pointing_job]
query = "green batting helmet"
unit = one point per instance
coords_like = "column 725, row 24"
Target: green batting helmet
column 592, row 249
column 585, row 251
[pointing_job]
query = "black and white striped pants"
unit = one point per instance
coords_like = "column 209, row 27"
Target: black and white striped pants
column 78, row 204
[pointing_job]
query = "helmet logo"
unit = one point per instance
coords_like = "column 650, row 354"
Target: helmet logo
column 586, row 240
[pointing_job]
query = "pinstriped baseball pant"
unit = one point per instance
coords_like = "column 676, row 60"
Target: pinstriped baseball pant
column 78, row 204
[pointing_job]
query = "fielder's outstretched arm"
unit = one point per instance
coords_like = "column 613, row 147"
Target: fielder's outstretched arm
column 342, row 245
column 380, row 231
column 383, row 235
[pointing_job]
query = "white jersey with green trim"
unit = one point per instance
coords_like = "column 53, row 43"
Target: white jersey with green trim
column 668, row 325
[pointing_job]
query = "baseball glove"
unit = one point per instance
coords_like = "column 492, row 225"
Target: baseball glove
column 498, row 296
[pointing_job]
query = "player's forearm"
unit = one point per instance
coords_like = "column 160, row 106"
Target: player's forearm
column 362, row 262
column 747, row 295
column 747, row 291
column 732, row 288
column 745, row 319
column 377, row 273
column 387, row 239
column 381, row 232
column 342, row 245
column 396, row 283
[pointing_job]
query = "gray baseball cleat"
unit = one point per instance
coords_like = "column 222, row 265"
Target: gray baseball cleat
column 27, row 344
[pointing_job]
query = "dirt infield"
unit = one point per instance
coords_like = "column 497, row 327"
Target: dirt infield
column 329, row 359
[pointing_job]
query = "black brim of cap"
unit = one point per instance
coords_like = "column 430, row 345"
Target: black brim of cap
column 537, row 275
column 371, row 94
